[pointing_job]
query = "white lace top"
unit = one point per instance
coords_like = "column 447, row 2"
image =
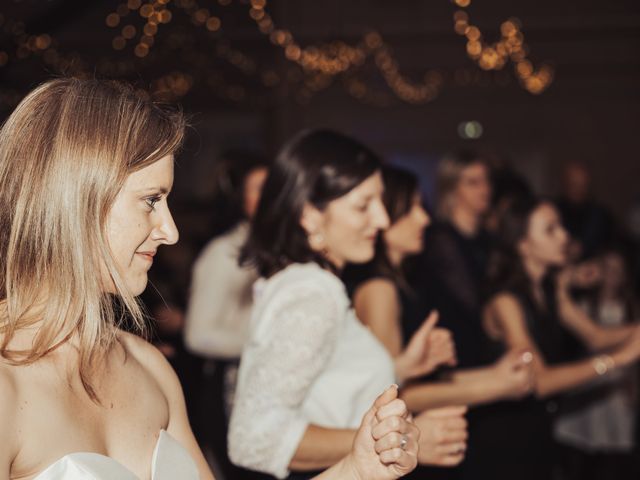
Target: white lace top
column 308, row 361
column 170, row 462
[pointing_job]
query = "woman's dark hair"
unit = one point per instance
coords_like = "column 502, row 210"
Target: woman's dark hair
column 231, row 170
column 506, row 270
column 314, row 167
column 400, row 188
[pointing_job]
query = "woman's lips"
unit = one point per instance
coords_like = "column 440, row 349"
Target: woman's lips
column 147, row 255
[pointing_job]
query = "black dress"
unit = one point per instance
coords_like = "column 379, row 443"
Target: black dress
column 414, row 309
column 513, row 439
column 450, row 278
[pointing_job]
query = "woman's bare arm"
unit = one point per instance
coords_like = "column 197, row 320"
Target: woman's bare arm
column 377, row 305
column 509, row 317
column 594, row 336
column 321, row 447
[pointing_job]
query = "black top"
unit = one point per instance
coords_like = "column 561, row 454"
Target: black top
column 513, row 439
column 411, row 304
column 450, row 278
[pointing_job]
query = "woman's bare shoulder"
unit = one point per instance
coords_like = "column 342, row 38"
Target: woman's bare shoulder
column 152, row 361
column 504, row 302
column 9, row 406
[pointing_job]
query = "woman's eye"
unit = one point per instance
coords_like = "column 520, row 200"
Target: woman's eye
column 151, row 202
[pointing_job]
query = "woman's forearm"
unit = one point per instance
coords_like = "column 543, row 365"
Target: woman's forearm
column 321, row 448
column 465, row 387
column 596, row 337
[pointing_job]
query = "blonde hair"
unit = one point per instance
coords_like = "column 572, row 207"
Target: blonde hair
column 65, row 153
column 448, row 177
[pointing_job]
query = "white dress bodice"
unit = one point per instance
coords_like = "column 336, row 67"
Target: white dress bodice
column 170, row 461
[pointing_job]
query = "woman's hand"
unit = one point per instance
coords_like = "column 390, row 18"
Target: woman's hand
column 429, row 348
column 514, row 374
column 386, row 444
column 581, row 275
column 443, row 436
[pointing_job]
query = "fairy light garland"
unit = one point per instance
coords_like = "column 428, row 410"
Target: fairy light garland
column 320, row 64
column 337, row 57
column 510, row 47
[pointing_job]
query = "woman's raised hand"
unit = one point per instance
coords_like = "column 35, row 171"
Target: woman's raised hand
column 429, row 348
column 386, row 444
column 514, row 374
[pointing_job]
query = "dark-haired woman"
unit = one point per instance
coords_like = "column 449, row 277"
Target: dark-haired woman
column 531, row 308
column 387, row 304
column 310, row 367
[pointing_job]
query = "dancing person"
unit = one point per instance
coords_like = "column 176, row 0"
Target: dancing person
column 86, row 167
column 220, row 300
column 386, row 303
column 310, row 368
column 452, row 269
column 531, row 308
column 597, row 423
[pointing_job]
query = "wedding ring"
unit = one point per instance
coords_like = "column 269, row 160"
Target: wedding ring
column 403, row 441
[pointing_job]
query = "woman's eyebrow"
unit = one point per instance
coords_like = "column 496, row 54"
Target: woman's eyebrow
column 162, row 190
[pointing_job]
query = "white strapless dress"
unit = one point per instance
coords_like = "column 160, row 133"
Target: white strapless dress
column 170, row 461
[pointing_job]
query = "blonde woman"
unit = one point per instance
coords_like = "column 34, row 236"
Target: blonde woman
column 85, row 171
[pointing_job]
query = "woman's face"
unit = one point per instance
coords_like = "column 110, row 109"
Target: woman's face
column 547, row 240
column 140, row 221
column 613, row 271
column 253, row 184
column 406, row 234
column 473, row 192
column 349, row 225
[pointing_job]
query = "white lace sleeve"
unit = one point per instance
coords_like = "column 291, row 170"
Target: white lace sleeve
column 295, row 339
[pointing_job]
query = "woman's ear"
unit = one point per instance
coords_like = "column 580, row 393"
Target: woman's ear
column 311, row 219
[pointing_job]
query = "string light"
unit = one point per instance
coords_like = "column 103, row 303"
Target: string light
column 337, row 57
column 317, row 66
column 510, row 47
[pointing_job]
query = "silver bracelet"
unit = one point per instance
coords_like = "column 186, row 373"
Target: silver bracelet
column 603, row 364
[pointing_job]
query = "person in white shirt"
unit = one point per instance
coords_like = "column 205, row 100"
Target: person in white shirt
column 221, row 297
column 310, row 369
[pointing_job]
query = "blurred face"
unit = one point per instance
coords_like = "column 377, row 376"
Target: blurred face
column 140, row 221
column 547, row 240
column 406, row 234
column 473, row 192
column 346, row 230
column 613, row 271
column 253, row 184
column 577, row 183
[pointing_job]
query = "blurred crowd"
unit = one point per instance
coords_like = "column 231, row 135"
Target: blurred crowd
column 538, row 295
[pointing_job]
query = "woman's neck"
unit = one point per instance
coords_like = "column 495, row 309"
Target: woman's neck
column 465, row 221
column 535, row 270
column 395, row 257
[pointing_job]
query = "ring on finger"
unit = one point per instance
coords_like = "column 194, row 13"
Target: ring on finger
column 403, row 441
